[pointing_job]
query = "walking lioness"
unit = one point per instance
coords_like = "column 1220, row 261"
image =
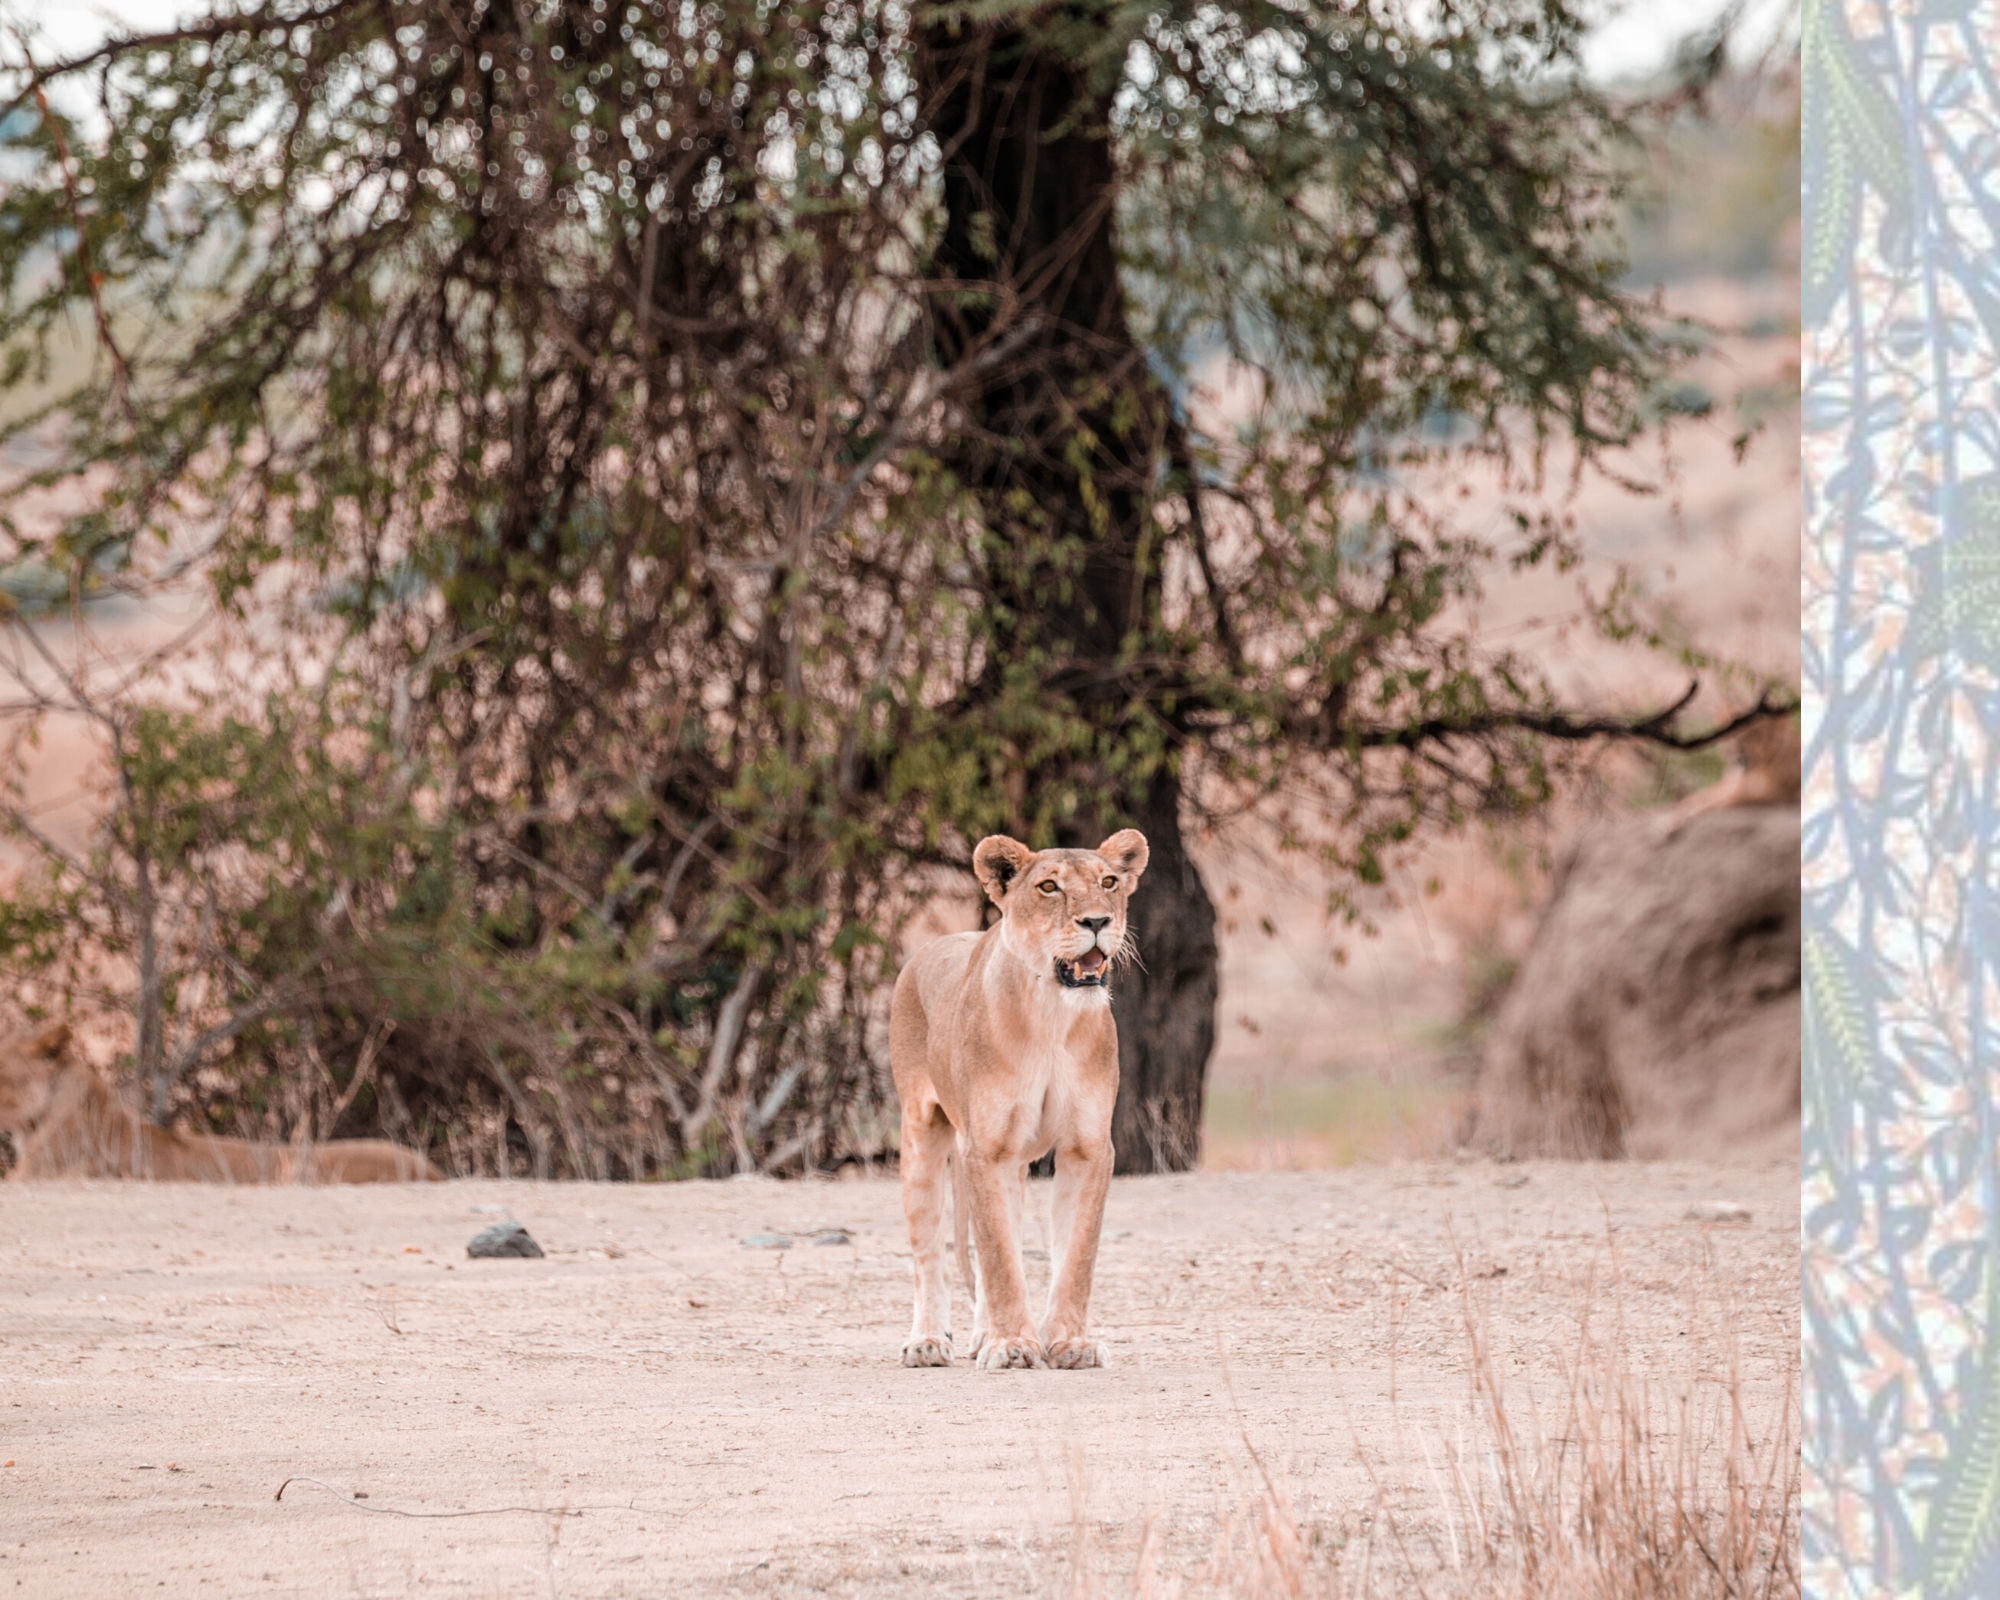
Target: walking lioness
column 67, row 1122
column 1003, row 1048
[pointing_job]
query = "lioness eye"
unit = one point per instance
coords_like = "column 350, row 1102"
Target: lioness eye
column 1049, row 887
column 1109, row 883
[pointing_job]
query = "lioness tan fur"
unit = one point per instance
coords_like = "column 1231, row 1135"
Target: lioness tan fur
column 68, row 1123
column 1003, row 1048
column 1763, row 771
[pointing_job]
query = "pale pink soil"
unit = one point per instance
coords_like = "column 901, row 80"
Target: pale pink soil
column 734, row 1421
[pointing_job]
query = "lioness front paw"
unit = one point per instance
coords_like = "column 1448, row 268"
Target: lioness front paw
column 1071, row 1353
column 1000, row 1353
column 930, row 1350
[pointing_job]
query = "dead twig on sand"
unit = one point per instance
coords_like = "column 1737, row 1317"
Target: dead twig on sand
column 483, row 1511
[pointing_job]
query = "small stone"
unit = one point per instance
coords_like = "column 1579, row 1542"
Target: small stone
column 489, row 1211
column 1718, row 1211
column 503, row 1239
column 833, row 1236
column 1512, row 1180
column 767, row 1241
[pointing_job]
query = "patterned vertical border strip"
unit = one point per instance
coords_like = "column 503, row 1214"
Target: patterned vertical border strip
column 1901, row 310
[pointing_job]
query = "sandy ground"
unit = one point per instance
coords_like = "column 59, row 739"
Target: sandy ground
column 733, row 1420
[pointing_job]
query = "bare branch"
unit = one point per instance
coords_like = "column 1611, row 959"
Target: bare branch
column 1568, row 726
column 1181, row 452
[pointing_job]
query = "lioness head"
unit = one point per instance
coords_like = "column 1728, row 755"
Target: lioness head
column 27, row 1073
column 1065, row 908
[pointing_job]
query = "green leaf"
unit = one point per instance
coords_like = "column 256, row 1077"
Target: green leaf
column 1963, row 1539
column 1837, row 1043
column 1958, row 591
column 1852, row 137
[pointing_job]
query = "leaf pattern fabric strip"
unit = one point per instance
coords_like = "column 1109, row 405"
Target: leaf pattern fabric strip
column 1901, row 665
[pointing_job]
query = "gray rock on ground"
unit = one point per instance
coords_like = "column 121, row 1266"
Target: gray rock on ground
column 503, row 1239
column 1657, row 1013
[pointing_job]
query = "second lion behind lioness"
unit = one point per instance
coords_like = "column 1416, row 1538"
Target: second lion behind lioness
column 67, row 1122
column 1004, row 1048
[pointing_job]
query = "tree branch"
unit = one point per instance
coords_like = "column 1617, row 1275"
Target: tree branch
column 196, row 33
column 923, row 391
column 1181, row 452
column 1563, row 725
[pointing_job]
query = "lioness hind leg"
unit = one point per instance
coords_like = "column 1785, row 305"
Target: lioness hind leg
column 927, row 1143
column 961, row 1199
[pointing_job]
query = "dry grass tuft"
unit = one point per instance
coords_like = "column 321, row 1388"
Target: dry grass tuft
column 1638, row 1491
column 1635, row 1494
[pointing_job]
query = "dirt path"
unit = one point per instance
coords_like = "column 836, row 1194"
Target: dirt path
column 732, row 1419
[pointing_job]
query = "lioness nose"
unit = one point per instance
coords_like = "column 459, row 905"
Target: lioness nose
column 1095, row 924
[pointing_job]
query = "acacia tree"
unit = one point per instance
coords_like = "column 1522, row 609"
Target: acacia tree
column 1386, row 226
column 723, row 458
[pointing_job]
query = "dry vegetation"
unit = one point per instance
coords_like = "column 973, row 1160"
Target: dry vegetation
column 1629, row 1489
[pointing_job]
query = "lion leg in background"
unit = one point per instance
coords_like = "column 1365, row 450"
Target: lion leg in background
column 996, row 1188
column 1083, row 1179
column 926, row 1154
column 1735, row 788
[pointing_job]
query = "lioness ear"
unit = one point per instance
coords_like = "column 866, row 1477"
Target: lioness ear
column 49, row 1040
column 1126, row 850
column 998, row 861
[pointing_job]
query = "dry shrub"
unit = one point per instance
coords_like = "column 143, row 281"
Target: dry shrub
column 1637, row 1492
column 1262, row 1552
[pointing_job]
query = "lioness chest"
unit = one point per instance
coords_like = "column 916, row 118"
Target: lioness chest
column 1062, row 1083
column 1042, row 1062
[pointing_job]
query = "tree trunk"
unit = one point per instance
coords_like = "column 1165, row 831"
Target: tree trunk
column 151, row 1052
column 1165, row 1008
column 1073, row 428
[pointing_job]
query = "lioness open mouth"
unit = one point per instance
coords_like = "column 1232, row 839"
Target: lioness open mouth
column 1087, row 971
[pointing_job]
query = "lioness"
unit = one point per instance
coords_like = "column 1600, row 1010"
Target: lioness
column 68, row 1123
column 1003, row 1042
column 1763, row 771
